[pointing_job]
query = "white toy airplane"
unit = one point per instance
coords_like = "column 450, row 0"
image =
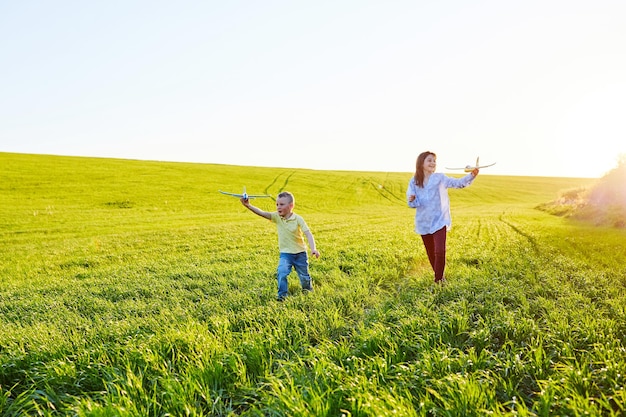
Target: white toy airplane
column 244, row 195
column 468, row 168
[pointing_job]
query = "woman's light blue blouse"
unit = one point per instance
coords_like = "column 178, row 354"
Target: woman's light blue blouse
column 432, row 204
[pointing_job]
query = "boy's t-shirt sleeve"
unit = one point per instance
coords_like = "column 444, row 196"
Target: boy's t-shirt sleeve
column 303, row 226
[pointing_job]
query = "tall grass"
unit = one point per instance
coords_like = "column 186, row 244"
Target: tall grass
column 133, row 288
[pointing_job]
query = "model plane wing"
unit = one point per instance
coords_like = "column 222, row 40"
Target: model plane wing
column 469, row 168
column 245, row 194
column 233, row 194
column 484, row 166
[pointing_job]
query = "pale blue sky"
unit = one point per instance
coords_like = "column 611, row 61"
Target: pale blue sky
column 538, row 86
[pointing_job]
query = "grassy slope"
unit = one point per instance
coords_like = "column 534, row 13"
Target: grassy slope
column 131, row 285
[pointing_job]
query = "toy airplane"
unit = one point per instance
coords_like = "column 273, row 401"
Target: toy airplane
column 468, row 168
column 244, row 195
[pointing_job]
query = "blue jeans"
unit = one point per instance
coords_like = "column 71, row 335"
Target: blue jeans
column 287, row 261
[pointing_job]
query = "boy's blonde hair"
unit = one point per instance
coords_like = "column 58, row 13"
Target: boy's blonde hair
column 287, row 194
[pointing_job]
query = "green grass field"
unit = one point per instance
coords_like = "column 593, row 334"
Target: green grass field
column 132, row 288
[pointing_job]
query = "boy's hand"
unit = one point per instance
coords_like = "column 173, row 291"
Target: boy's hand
column 315, row 253
column 245, row 201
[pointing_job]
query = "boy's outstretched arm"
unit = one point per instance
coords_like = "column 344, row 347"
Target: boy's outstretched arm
column 255, row 210
column 312, row 246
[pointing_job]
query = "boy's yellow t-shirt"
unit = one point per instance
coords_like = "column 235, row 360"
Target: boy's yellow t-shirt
column 290, row 233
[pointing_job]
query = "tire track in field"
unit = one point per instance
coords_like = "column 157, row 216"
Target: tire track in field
column 283, row 186
column 275, row 180
column 387, row 194
column 529, row 238
column 281, row 189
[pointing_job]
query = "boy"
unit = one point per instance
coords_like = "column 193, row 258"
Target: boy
column 291, row 244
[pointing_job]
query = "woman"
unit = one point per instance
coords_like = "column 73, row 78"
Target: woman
column 427, row 193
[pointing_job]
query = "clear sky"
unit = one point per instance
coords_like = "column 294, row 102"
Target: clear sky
column 538, row 86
